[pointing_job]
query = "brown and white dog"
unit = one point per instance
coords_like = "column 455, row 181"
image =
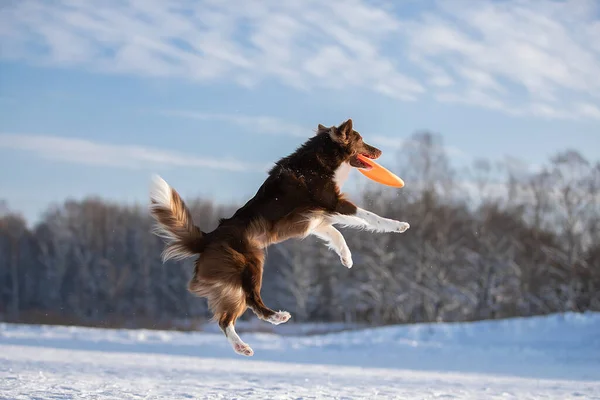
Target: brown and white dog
column 300, row 197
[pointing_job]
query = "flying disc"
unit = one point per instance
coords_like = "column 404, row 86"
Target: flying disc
column 379, row 174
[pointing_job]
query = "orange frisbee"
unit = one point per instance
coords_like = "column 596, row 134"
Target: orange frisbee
column 379, row 174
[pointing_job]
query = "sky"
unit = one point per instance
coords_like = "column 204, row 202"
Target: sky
column 95, row 97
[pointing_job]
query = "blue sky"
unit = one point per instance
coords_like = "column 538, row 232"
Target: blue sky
column 96, row 98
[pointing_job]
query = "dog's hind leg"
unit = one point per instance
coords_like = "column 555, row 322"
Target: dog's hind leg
column 218, row 278
column 252, row 283
column 336, row 241
column 265, row 313
column 229, row 304
column 227, row 325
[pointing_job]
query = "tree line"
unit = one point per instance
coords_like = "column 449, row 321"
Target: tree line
column 490, row 241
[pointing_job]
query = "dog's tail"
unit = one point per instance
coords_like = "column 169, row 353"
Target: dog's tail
column 174, row 222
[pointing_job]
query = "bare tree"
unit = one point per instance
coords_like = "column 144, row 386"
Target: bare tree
column 14, row 230
column 498, row 242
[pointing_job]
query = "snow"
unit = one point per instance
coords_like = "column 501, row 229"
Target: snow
column 552, row 357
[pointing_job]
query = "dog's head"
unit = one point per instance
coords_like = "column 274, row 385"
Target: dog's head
column 352, row 142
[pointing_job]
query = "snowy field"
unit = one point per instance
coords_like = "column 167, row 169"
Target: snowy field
column 555, row 357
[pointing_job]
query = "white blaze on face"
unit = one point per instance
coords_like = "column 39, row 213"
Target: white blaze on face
column 341, row 174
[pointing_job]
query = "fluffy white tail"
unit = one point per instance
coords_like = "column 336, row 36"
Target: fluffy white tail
column 174, row 222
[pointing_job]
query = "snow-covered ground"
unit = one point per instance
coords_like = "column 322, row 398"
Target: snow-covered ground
column 553, row 357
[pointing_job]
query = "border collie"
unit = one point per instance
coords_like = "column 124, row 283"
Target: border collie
column 301, row 196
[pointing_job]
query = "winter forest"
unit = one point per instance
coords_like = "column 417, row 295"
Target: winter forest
column 490, row 241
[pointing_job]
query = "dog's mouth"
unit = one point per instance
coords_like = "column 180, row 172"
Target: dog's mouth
column 356, row 161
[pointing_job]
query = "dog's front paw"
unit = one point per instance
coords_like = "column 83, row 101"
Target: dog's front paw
column 401, row 226
column 346, row 258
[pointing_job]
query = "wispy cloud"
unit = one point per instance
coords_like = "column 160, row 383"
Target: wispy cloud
column 521, row 57
column 81, row 151
column 250, row 124
column 305, row 44
column 391, row 143
column 276, row 126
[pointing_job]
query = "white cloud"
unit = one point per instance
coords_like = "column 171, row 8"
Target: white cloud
column 251, row 124
column 87, row 152
column 385, row 141
column 441, row 80
column 522, row 57
column 389, row 145
column 473, row 96
column 588, row 110
column 275, row 126
column 305, row 44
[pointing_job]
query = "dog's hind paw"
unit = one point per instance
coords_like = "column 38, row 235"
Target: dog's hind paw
column 243, row 349
column 279, row 317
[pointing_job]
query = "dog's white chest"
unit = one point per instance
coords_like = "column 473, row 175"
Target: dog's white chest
column 341, row 174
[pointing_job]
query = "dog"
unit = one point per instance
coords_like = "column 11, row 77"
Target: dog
column 301, row 196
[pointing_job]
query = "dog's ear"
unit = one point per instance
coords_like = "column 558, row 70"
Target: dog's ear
column 322, row 129
column 346, row 127
column 342, row 132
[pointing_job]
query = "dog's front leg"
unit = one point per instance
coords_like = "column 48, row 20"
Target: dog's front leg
column 336, row 241
column 381, row 224
column 350, row 215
